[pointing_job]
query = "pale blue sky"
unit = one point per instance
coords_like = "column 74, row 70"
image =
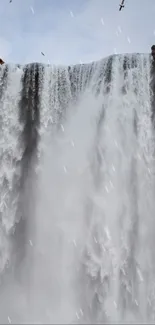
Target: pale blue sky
column 70, row 31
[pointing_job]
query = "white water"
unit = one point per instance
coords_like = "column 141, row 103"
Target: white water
column 91, row 243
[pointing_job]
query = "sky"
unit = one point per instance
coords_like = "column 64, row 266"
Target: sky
column 73, row 31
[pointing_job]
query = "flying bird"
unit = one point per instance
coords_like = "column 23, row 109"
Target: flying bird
column 121, row 5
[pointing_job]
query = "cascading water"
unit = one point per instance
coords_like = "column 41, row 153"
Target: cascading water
column 77, row 190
